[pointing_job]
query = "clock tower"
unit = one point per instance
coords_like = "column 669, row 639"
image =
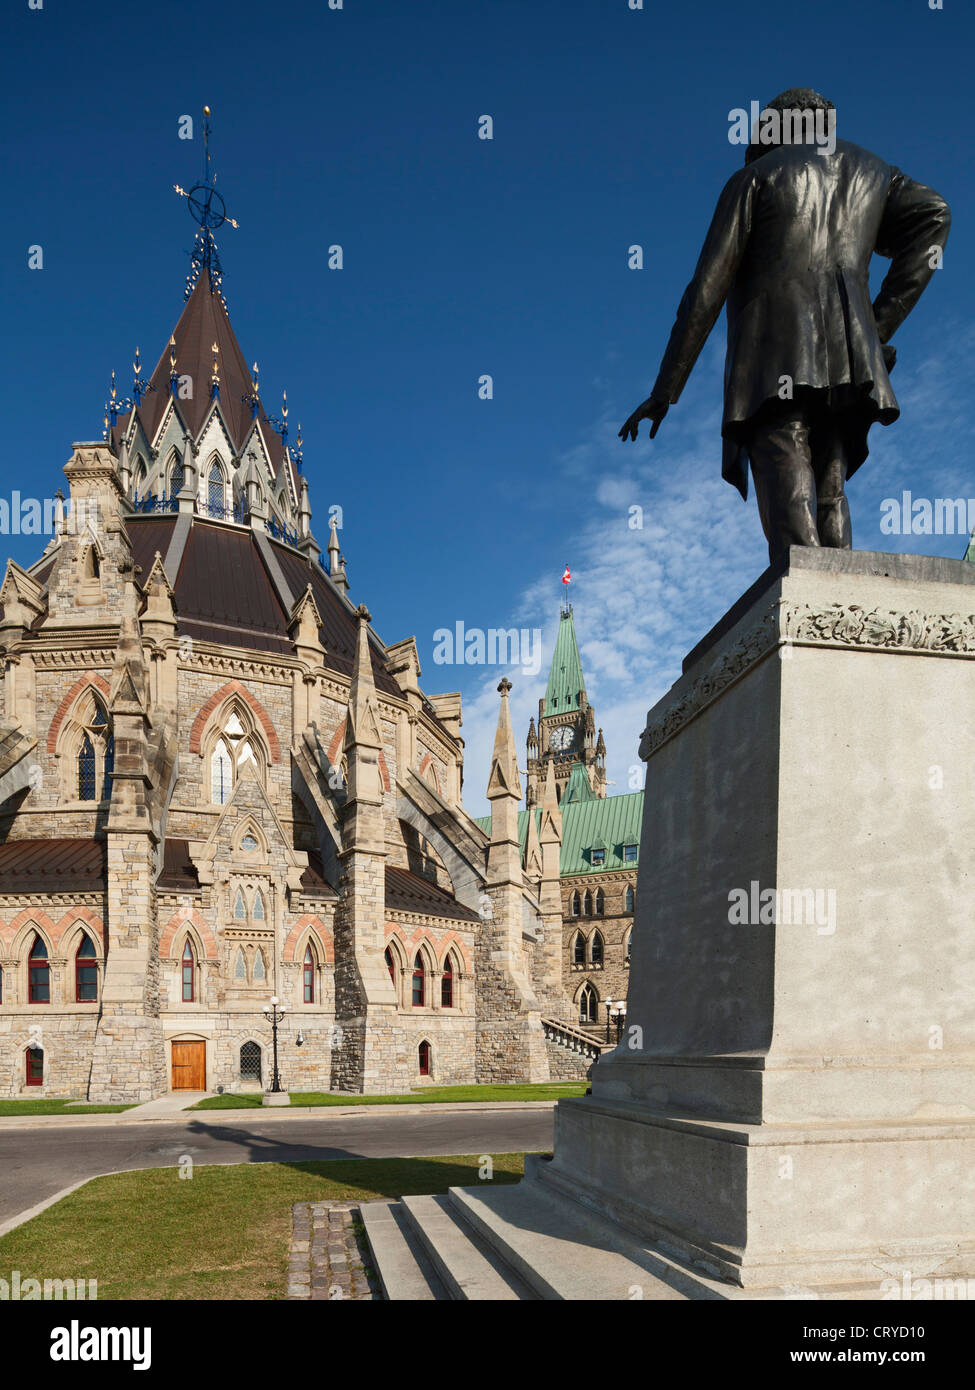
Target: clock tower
column 566, row 732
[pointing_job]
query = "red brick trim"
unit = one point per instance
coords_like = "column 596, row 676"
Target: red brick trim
column 255, row 706
column 448, row 939
column 93, row 924
column 298, row 931
column 36, row 915
column 335, row 751
column 89, row 678
column 177, row 922
column 427, row 761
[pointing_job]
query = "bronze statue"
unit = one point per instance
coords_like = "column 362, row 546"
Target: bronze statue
column 808, row 357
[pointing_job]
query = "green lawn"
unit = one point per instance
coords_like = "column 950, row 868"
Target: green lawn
column 222, row 1234
column 429, row 1095
column 56, row 1107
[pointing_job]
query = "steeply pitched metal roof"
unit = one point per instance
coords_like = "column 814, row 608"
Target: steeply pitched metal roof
column 203, row 322
column 52, row 866
column 578, row 787
column 607, row 823
column 406, row 892
column 565, row 680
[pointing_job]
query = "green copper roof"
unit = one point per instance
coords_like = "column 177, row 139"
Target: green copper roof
column 578, row 787
column 565, row 683
column 610, row 823
column 970, row 552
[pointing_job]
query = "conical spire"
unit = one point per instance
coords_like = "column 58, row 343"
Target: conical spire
column 533, row 849
column 504, row 779
column 362, row 724
column 551, row 827
column 566, row 688
column 336, row 565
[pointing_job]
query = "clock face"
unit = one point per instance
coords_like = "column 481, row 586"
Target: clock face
column 561, row 739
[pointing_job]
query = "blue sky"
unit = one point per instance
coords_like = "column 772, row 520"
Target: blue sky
column 464, row 257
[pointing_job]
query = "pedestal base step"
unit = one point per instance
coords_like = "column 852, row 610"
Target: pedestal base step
column 425, row 1249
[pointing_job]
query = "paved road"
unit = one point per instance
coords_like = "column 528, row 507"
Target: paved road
column 36, row 1163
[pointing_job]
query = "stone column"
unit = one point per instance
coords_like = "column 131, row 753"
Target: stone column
column 792, row 1101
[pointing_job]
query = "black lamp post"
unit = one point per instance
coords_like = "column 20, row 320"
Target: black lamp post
column 274, row 1015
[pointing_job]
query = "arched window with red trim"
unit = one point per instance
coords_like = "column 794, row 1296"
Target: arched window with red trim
column 189, row 973
column 447, row 984
column 85, row 972
column 419, row 983
column 308, row 976
column 38, row 974
column 424, row 1058
column 390, row 964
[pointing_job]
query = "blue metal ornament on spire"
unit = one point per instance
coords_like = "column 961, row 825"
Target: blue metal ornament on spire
column 209, row 212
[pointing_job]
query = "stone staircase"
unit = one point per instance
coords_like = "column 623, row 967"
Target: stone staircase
column 511, row 1243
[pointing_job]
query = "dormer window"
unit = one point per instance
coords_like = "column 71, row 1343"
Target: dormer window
column 629, row 854
column 598, row 858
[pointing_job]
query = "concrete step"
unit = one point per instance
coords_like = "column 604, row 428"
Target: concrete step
column 404, row 1269
column 564, row 1252
column 469, row 1269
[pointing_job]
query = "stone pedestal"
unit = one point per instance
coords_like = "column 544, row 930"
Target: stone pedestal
column 276, row 1098
column 794, row 1102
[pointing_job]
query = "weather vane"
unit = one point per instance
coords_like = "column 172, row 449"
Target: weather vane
column 209, row 211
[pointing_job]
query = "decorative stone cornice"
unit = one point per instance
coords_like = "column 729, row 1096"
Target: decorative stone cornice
column 848, row 627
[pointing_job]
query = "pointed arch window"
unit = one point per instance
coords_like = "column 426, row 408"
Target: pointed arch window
column 423, row 1057
column 38, row 973
column 240, row 965
column 86, row 770
column 630, row 899
column 587, row 1005
column 596, row 952
column 140, row 479
column 390, row 964
column 240, row 907
column 419, row 983
column 260, row 969
column 259, row 914
column 188, row 972
column 588, row 903
column 308, row 975
column 235, row 746
column 447, row 984
column 600, row 902
column 576, row 904
column 627, row 944
column 85, row 972
column 176, row 476
column 215, row 490
column 579, row 949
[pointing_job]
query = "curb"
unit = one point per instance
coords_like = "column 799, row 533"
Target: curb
column 271, row 1114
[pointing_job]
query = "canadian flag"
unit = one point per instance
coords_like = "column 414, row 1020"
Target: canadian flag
column 567, row 576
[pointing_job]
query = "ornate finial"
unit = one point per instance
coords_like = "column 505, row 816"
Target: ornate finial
column 215, row 374
column 504, row 687
column 363, row 612
column 281, row 424
column 209, row 211
column 296, row 453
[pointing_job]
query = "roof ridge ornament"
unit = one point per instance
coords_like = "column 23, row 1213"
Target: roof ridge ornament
column 209, row 211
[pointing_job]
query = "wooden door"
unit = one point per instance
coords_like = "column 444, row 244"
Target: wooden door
column 189, row 1066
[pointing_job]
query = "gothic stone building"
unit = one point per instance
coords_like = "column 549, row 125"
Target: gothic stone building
column 599, row 842
column 218, row 785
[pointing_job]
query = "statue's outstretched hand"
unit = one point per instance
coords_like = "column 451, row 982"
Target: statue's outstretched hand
column 653, row 409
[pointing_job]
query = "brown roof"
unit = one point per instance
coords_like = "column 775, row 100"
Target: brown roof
column 52, row 866
column 406, row 892
column 204, row 321
column 178, row 871
column 313, row 880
